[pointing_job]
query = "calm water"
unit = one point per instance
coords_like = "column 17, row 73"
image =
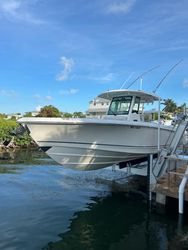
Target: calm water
column 44, row 206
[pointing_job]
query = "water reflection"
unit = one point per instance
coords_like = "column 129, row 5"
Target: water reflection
column 11, row 160
column 28, row 156
column 115, row 222
column 8, row 169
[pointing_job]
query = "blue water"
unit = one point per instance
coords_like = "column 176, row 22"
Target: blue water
column 44, row 206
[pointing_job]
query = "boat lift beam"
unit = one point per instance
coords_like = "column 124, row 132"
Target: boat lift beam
column 161, row 164
column 134, row 162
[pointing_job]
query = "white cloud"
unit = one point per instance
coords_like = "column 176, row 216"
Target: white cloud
column 185, row 83
column 38, row 108
column 10, row 6
column 103, row 79
column 69, row 92
column 40, row 98
column 18, row 10
column 8, row 93
column 67, row 63
column 37, row 96
column 121, row 7
column 49, row 98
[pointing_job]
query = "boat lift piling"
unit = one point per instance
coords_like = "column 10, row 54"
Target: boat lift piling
column 182, row 190
column 159, row 121
column 149, row 178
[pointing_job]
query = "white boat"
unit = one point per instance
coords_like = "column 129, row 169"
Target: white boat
column 88, row 143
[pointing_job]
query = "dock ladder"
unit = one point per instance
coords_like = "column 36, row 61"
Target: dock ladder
column 161, row 164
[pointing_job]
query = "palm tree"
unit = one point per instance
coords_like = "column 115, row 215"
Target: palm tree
column 49, row 111
column 171, row 106
column 182, row 108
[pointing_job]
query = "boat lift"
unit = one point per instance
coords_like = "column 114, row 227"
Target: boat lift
column 162, row 163
column 181, row 190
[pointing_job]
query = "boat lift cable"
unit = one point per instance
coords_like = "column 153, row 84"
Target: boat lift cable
column 140, row 76
column 171, row 69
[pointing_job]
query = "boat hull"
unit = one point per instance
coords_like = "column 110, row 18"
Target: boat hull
column 89, row 144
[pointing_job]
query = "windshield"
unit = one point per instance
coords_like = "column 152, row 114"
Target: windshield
column 120, row 105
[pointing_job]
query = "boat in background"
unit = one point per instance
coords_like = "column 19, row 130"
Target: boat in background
column 88, row 144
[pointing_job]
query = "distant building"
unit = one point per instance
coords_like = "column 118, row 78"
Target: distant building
column 34, row 113
column 98, row 107
column 15, row 116
column 31, row 114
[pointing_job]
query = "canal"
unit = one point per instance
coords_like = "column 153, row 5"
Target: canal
column 45, row 206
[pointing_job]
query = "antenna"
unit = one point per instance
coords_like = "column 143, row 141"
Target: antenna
column 141, row 83
column 140, row 76
column 171, row 69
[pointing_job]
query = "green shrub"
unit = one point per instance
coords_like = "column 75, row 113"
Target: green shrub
column 6, row 127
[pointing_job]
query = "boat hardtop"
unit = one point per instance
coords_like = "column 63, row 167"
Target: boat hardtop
column 145, row 97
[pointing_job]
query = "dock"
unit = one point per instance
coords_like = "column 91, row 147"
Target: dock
column 168, row 185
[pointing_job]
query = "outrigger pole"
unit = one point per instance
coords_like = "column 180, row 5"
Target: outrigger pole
column 171, row 69
column 159, row 102
column 140, row 76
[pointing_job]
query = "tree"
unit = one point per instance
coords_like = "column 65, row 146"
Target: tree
column 78, row 115
column 28, row 114
column 2, row 115
column 13, row 117
column 171, row 106
column 182, row 108
column 6, row 129
column 67, row 115
column 49, row 111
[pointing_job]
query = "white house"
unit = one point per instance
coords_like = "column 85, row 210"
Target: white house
column 16, row 116
column 97, row 107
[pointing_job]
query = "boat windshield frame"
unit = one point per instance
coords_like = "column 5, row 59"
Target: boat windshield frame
column 136, row 105
column 120, row 105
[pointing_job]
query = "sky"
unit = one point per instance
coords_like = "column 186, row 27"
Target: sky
column 66, row 52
